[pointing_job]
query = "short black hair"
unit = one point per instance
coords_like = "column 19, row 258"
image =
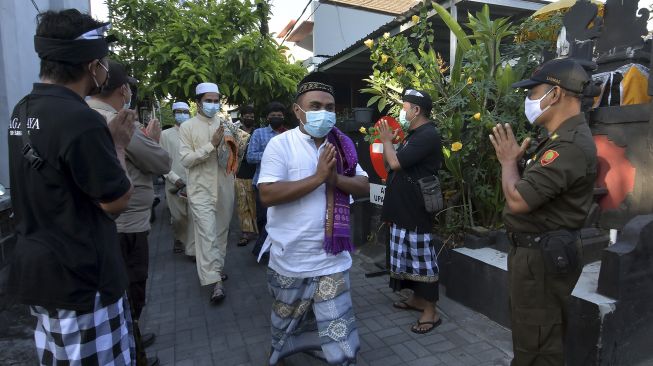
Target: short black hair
column 66, row 24
column 423, row 109
column 247, row 109
column 275, row 107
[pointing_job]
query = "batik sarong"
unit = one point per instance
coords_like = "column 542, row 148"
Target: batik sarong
column 246, row 201
column 313, row 315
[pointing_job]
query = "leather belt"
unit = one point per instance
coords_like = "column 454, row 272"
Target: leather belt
column 525, row 240
column 534, row 240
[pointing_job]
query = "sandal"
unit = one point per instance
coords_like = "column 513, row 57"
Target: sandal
column 243, row 242
column 224, row 277
column 434, row 324
column 404, row 305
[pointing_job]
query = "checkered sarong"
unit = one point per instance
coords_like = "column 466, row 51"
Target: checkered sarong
column 101, row 337
column 412, row 256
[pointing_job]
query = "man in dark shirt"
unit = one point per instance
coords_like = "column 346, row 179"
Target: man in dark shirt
column 67, row 171
column 545, row 209
column 413, row 254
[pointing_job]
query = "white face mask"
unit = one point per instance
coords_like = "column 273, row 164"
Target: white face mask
column 532, row 108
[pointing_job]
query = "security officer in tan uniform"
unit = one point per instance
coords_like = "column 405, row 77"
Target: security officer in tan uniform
column 545, row 209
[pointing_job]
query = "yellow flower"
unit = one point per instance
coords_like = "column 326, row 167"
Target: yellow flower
column 477, row 116
column 386, row 35
column 470, row 80
column 415, row 19
column 363, row 130
column 400, row 70
column 369, row 43
column 456, row 146
column 384, row 59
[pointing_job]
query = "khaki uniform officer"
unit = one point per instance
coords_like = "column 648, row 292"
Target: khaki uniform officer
column 545, row 209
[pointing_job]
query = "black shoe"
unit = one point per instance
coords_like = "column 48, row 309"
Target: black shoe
column 218, row 293
column 147, row 339
column 153, row 361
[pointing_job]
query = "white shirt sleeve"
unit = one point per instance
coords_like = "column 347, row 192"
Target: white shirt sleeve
column 273, row 163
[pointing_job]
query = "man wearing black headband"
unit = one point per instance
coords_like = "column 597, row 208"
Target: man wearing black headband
column 412, row 245
column 546, row 207
column 67, row 178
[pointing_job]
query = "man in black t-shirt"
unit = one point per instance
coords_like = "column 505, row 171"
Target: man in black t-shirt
column 67, row 170
column 412, row 245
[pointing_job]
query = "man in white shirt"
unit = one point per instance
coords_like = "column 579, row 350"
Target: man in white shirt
column 209, row 152
column 305, row 172
column 182, row 220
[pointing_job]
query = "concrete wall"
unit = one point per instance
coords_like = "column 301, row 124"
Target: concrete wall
column 338, row 27
column 19, row 65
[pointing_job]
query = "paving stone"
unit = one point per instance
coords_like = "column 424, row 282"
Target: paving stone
column 191, row 331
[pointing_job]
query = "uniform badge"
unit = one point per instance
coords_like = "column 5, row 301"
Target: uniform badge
column 548, row 157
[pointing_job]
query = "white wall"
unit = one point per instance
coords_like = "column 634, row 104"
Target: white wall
column 338, row 27
column 19, row 65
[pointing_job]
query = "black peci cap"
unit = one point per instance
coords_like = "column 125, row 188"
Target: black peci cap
column 566, row 73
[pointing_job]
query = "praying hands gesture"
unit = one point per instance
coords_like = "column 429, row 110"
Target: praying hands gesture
column 506, row 146
column 326, row 164
column 153, row 130
column 122, row 128
column 386, row 134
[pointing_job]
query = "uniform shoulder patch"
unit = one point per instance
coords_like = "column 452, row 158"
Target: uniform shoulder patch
column 548, row 157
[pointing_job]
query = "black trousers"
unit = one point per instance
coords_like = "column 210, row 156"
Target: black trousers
column 261, row 221
column 135, row 252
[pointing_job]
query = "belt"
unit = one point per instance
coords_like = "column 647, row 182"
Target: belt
column 525, row 240
column 534, row 240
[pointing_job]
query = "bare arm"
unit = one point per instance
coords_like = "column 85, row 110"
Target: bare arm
column 358, row 185
column 386, row 135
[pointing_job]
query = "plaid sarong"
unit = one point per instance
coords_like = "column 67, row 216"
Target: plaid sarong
column 313, row 315
column 101, row 337
column 412, row 256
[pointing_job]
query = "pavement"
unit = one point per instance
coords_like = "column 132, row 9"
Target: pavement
column 191, row 331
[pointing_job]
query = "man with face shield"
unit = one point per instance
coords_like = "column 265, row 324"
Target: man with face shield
column 413, row 262
column 546, row 207
column 68, row 180
column 307, row 176
column 182, row 220
column 209, row 152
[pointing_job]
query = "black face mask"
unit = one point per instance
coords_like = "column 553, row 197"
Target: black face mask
column 248, row 122
column 276, row 122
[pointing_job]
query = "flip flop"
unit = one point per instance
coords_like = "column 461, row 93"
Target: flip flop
column 418, row 331
column 403, row 305
column 243, row 242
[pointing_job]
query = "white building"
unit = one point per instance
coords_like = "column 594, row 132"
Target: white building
column 19, row 64
column 329, row 26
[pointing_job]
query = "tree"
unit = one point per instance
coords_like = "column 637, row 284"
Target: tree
column 171, row 46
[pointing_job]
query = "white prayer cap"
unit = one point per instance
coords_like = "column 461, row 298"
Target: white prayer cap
column 206, row 88
column 180, row 105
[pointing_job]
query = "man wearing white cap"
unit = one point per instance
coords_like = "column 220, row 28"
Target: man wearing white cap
column 209, row 152
column 182, row 220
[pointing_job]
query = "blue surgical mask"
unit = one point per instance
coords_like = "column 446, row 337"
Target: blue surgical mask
column 210, row 109
column 181, row 117
column 319, row 123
